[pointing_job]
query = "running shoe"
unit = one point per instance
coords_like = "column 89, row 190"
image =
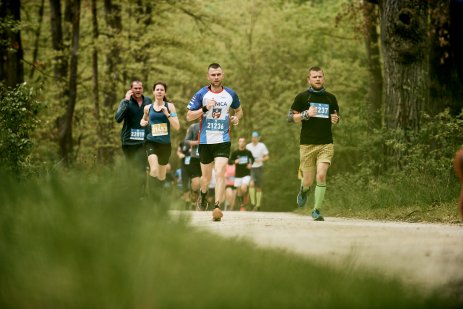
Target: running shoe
column 202, row 204
column 317, row 216
column 302, row 197
column 217, row 213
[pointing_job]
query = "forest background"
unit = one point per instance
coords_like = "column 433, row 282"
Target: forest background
column 395, row 67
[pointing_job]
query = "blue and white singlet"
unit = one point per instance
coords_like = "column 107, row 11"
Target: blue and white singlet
column 215, row 124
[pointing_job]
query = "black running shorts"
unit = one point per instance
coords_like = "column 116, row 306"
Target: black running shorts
column 194, row 168
column 207, row 152
column 161, row 150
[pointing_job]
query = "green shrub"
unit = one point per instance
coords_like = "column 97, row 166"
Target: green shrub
column 18, row 117
column 402, row 173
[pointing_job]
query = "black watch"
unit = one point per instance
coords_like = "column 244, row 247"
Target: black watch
column 205, row 110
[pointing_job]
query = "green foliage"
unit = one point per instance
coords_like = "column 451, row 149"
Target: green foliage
column 403, row 176
column 431, row 149
column 84, row 241
column 18, row 118
column 8, row 26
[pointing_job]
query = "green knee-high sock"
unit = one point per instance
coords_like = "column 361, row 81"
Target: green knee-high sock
column 320, row 190
column 252, row 195
column 258, row 198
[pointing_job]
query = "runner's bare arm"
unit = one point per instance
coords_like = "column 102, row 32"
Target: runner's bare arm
column 144, row 119
column 193, row 115
column 235, row 119
column 294, row 116
column 173, row 119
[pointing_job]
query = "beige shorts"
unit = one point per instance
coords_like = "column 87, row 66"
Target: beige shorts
column 311, row 155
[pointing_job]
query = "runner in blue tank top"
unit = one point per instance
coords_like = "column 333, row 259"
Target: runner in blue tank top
column 212, row 105
column 160, row 116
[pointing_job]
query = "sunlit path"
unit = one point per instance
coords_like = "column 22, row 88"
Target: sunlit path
column 429, row 255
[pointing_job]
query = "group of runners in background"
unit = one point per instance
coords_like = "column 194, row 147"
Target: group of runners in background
column 243, row 172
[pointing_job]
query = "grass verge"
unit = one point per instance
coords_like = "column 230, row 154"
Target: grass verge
column 82, row 241
column 418, row 198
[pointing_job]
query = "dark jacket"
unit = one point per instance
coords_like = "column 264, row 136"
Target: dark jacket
column 132, row 132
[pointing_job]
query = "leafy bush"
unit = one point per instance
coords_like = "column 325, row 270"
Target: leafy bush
column 18, row 117
column 400, row 170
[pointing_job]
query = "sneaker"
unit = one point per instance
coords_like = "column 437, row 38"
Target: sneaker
column 202, row 204
column 317, row 216
column 217, row 214
column 302, row 197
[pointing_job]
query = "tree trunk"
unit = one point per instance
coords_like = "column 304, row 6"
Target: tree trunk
column 113, row 76
column 11, row 50
column 375, row 90
column 446, row 89
column 60, row 62
column 113, row 20
column 37, row 40
column 65, row 135
column 96, row 97
column 406, row 66
column 456, row 33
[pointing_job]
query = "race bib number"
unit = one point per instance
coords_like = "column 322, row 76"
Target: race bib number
column 215, row 125
column 187, row 160
column 243, row 160
column 137, row 134
column 159, row 129
column 323, row 110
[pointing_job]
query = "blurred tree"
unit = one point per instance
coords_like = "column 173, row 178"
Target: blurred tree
column 113, row 75
column 375, row 90
column 456, row 33
column 65, row 134
column 363, row 17
column 446, row 89
column 11, row 49
column 38, row 32
column 95, row 74
column 60, row 60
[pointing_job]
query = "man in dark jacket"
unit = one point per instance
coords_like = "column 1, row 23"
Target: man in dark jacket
column 132, row 134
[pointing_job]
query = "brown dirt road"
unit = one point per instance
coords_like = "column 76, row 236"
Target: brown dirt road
column 427, row 256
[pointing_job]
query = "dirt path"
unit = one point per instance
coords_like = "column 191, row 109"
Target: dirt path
column 427, row 255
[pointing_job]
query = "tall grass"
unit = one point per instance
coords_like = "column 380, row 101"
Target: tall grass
column 396, row 196
column 78, row 240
